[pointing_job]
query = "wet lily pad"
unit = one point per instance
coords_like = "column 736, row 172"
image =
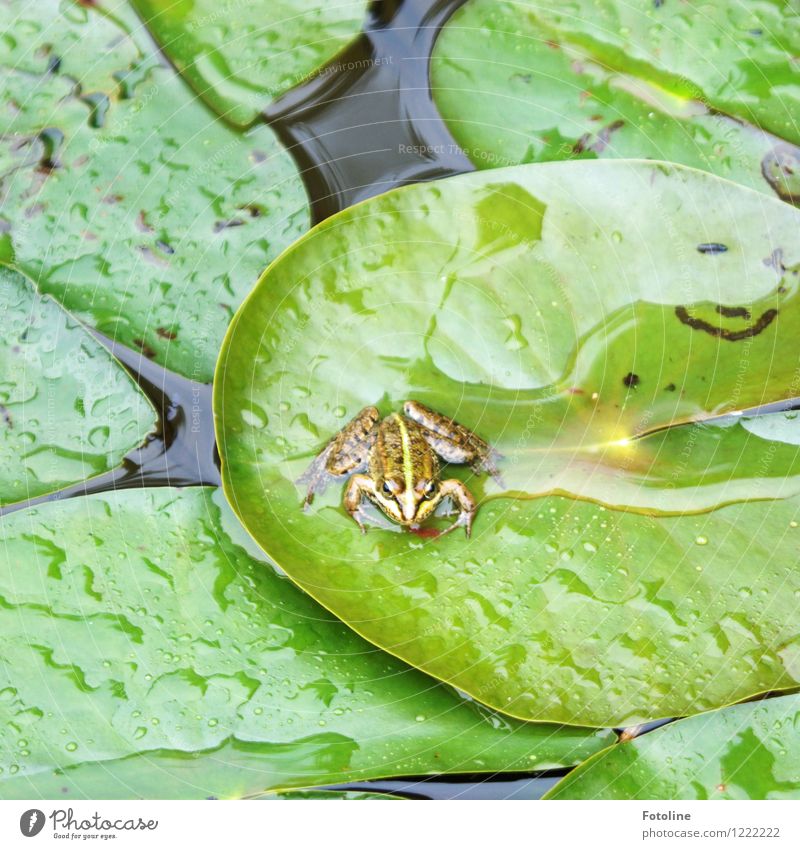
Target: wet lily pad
column 68, row 410
column 601, row 324
column 149, row 650
column 748, row 751
column 123, row 197
column 239, row 57
column 712, row 86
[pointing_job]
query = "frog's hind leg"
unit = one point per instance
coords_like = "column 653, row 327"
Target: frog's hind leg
column 345, row 454
column 453, row 442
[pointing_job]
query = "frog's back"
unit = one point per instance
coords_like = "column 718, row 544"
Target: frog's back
column 401, row 452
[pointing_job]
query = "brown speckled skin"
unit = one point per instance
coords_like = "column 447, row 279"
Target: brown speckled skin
column 399, row 454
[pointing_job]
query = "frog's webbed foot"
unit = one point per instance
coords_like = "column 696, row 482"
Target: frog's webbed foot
column 453, row 442
column 486, row 461
column 315, row 478
column 346, row 453
column 462, row 497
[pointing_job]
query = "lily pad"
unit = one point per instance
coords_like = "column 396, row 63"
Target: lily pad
column 150, row 650
column 122, row 196
column 714, row 86
column 345, row 795
column 68, row 410
column 593, row 321
column 748, row 751
column 239, row 57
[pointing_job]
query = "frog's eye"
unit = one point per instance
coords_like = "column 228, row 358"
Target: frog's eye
column 430, row 488
column 386, row 488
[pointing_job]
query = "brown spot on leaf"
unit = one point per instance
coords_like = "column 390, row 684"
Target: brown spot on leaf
column 600, row 141
column 733, row 312
column 166, row 334
column 632, row 380
column 141, row 222
column 426, row 533
column 764, row 321
column 144, row 348
column 219, row 226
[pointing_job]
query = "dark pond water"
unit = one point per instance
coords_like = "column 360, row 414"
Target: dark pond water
column 363, row 125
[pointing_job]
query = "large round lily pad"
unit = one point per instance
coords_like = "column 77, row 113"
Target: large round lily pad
column 711, row 85
column 68, row 410
column 240, row 56
column 149, row 650
column 749, row 751
column 593, row 321
column 122, row 195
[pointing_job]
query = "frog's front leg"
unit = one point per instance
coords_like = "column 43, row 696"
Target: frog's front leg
column 357, row 487
column 452, row 441
column 346, row 453
column 462, row 497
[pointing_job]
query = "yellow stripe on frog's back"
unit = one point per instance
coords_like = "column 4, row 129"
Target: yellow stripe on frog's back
column 405, row 441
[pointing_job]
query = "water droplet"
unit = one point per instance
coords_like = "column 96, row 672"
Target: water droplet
column 701, row 540
column 71, row 746
column 421, row 717
column 253, row 419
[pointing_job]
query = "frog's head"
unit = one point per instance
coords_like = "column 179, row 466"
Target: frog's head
column 408, row 505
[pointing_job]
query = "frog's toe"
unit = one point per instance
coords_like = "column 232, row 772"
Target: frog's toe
column 488, row 463
column 358, row 517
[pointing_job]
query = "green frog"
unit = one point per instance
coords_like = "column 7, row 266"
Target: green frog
column 399, row 454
